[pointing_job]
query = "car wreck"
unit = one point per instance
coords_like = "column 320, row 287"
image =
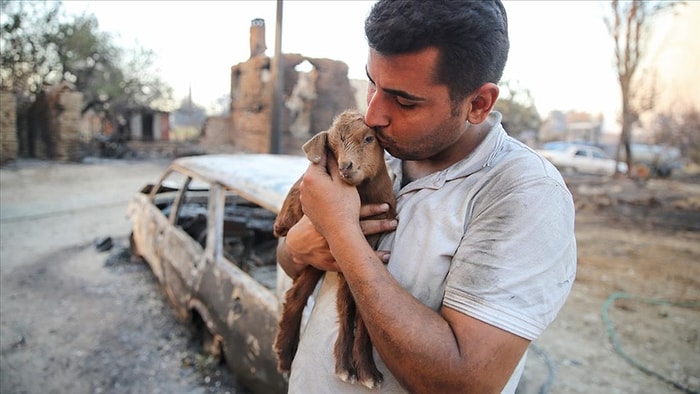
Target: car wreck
column 205, row 230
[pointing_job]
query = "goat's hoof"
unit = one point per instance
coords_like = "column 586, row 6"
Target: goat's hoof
column 347, row 376
column 372, row 378
column 372, row 383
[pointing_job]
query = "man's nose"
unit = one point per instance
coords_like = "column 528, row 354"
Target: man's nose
column 377, row 114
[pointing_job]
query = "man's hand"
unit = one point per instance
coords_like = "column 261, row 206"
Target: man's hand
column 304, row 243
column 331, row 204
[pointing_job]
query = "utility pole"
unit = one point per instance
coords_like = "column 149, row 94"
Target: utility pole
column 278, row 80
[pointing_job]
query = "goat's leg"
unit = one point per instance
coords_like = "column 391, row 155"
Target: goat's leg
column 367, row 372
column 287, row 339
column 344, row 366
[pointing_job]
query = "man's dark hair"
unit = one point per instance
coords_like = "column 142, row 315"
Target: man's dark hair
column 472, row 37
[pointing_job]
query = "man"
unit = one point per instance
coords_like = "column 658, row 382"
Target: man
column 483, row 255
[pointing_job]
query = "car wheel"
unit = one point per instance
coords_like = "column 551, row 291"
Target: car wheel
column 212, row 344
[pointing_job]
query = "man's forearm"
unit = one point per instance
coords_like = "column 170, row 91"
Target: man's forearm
column 400, row 325
column 426, row 350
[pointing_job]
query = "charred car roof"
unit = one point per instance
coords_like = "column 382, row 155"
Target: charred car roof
column 263, row 179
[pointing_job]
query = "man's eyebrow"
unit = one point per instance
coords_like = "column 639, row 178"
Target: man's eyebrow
column 396, row 92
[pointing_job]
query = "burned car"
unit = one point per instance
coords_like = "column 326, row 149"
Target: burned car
column 205, row 229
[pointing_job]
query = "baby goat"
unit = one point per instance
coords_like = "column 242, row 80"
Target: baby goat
column 361, row 163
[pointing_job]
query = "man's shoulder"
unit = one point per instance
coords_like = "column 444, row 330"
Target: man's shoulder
column 520, row 161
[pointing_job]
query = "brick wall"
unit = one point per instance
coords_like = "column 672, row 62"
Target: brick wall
column 67, row 118
column 251, row 103
column 8, row 127
column 251, row 94
column 217, row 135
column 53, row 125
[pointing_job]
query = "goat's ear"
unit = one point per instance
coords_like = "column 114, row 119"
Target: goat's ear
column 316, row 147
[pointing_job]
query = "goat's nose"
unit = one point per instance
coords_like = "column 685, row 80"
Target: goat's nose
column 345, row 165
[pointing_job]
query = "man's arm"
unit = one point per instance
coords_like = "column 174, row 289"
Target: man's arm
column 427, row 351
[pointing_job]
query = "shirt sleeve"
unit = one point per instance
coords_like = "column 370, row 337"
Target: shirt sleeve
column 516, row 263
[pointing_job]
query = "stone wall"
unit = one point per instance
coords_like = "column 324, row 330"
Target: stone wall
column 216, row 137
column 53, row 125
column 251, row 102
column 311, row 100
column 67, row 115
column 325, row 91
column 8, row 127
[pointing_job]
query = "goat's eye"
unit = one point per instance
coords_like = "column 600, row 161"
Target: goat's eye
column 369, row 139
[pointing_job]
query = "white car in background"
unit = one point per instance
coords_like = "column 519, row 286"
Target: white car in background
column 580, row 158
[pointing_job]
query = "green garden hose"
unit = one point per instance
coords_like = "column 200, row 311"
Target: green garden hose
column 616, row 343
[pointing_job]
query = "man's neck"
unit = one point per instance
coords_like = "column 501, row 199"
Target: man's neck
column 414, row 169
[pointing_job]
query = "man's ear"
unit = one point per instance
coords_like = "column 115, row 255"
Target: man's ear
column 482, row 102
column 316, row 147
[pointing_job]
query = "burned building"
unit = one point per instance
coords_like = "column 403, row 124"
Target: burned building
column 49, row 127
column 8, row 127
column 314, row 91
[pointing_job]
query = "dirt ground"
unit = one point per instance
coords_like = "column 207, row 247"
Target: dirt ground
column 74, row 319
column 641, row 244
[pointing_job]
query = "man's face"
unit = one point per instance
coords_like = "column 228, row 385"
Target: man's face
column 413, row 114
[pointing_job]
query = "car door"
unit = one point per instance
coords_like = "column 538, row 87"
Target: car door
column 235, row 287
column 582, row 160
column 150, row 210
column 588, row 163
column 181, row 245
column 604, row 165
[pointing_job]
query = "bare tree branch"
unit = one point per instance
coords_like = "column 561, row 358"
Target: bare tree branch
column 628, row 25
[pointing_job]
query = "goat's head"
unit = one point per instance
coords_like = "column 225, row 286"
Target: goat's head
column 354, row 144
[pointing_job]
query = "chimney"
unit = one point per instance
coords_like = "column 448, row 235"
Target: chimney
column 257, row 37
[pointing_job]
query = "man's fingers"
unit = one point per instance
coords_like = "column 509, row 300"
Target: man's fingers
column 383, row 255
column 321, row 165
column 376, row 226
column 368, row 210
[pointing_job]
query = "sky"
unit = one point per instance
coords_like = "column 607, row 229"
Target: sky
column 560, row 51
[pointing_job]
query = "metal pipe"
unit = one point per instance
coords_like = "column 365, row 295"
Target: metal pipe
column 278, row 78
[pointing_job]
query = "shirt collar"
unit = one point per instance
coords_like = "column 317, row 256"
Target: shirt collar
column 480, row 158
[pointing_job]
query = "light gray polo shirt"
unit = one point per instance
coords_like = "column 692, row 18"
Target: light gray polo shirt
column 491, row 236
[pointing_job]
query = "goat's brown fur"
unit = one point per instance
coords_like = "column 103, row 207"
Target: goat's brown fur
column 361, row 163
